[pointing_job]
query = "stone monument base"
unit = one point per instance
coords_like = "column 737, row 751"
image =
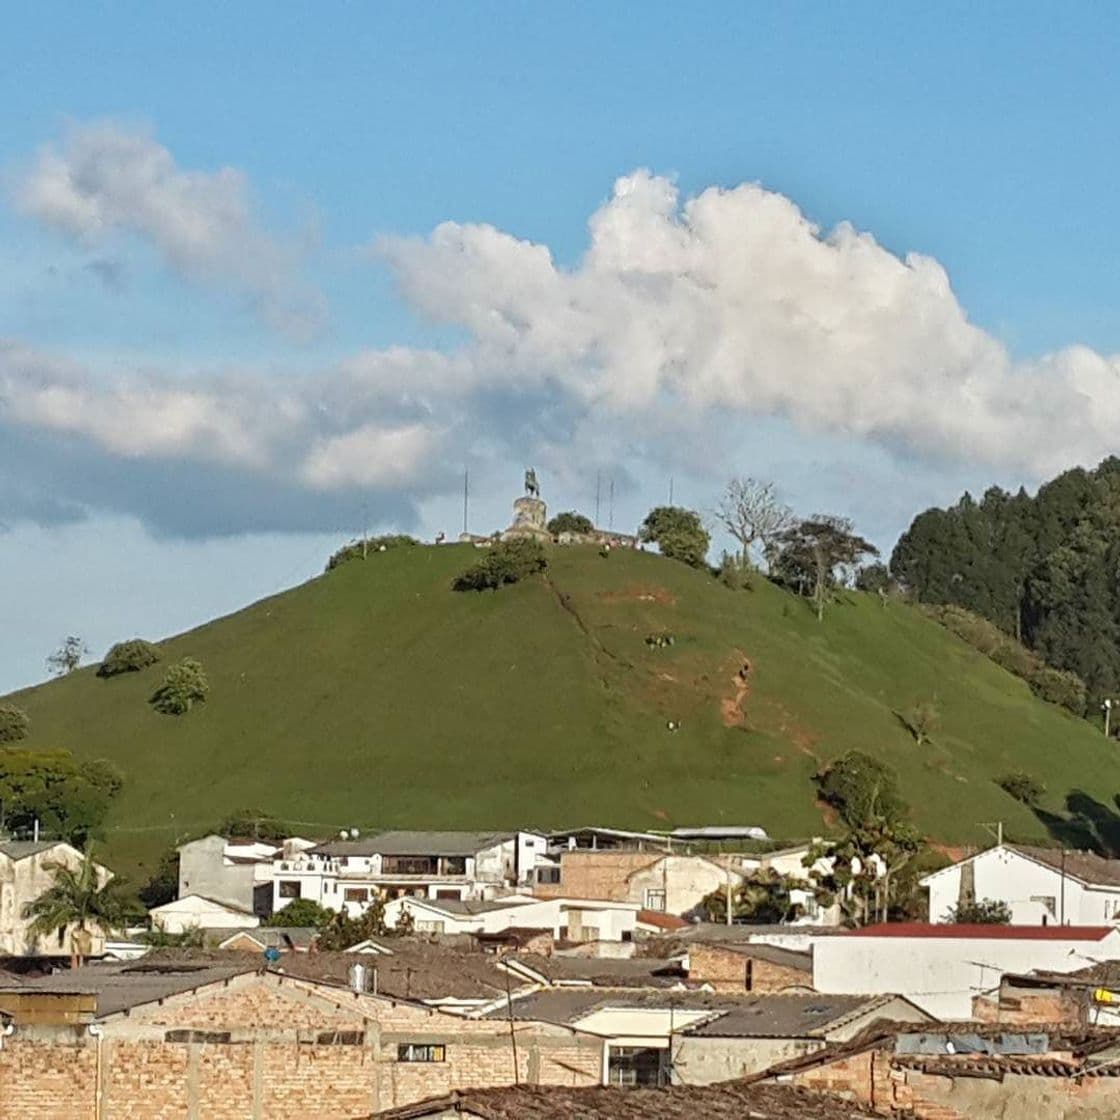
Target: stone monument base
column 530, row 519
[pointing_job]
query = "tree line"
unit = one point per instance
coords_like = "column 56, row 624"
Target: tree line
column 1044, row 569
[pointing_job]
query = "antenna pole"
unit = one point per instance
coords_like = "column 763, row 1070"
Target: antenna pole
column 598, row 494
column 466, row 496
column 670, row 489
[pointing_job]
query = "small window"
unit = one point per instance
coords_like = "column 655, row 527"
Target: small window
column 355, row 894
column 548, row 874
column 289, row 888
column 421, row 1052
column 429, row 927
column 196, row 1036
column 340, row 1038
column 655, row 900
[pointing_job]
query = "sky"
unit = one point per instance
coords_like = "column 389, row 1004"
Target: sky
column 275, row 275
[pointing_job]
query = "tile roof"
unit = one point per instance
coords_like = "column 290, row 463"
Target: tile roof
column 662, row 920
column 600, row 972
column 732, row 1100
column 984, row 932
column 1087, row 867
column 567, row 1005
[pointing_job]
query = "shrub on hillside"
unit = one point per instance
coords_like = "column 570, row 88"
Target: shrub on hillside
column 505, row 562
column 184, row 686
column 1022, row 787
column 1059, row 687
column 678, row 533
column 733, row 573
column 861, row 789
column 14, row 723
column 570, row 522
column 128, row 657
column 360, row 550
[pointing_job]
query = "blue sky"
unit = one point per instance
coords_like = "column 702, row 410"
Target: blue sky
column 210, row 377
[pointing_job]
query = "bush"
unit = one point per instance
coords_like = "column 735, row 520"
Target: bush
column 874, row 578
column 505, row 562
column 733, row 573
column 678, row 533
column 360, row 550
column 1059, row 687
column 1022, row 787
column 184, row 686
column 128, row 657
column 861, row 789
column 14, row 723
column 300, row 912
column 985, row 912
column 570, row 522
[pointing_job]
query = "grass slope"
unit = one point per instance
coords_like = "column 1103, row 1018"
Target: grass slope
column 375, row 696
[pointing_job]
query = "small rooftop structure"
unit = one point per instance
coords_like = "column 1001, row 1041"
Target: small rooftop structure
column 413, row 843
column 714, row 832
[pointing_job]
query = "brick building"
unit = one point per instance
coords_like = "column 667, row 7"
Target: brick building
column 748, row 967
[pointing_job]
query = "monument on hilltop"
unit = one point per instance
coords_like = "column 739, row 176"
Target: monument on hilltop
column 530, row 514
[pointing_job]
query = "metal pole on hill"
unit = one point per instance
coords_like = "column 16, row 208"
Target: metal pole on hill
column 598, row 495
column 610, row 516
column 466, row 497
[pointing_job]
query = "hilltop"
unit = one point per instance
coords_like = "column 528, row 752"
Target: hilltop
column 375, row 696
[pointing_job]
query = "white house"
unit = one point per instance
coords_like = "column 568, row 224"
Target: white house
column 25, row 873
column 348, row 873
column 1041, row 886
column 196, row 911
column 566, row 918
column 235, row 871
column 941, row 968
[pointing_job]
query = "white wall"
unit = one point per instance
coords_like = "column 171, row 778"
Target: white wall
column 1004, row 875
column 199, row 913
column 943, row 974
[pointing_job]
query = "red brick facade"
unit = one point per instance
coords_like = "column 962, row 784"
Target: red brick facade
column 727, row 970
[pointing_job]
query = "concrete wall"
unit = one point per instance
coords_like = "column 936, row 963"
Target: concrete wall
column 203, row 869
column 199, row 913
column 943, row 975
column 24, row 880
column 704, row 1061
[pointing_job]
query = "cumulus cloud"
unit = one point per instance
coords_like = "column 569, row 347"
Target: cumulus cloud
column 735, row 302
column 106, row 179
column 684, row 322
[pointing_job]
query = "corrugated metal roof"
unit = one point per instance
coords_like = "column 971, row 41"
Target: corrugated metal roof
column 783, row 1016
column 406, row 843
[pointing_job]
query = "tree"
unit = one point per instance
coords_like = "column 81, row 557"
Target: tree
column 184, row 686
column 128, row 657
column 986, row 912
column 1020, row 785
column 750, row 511
column 764, row 896
column 370, row 546
column 874, row 578
column 68, row 656
column 14, row 723
column 253, row 824
column 860, row 788
column 504, row 563
column 678, row 533
column 342, row 931
column 818, row 554
column 80, row 898
column 301, row 913
column 163, row 884
column 68, row 798
column 570, row 522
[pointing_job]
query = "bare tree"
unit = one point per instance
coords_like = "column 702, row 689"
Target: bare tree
column 68, row 656
column 751, row 512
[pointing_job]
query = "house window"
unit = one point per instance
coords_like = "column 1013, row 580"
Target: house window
column 630, row 1066
column 548, row 874
column 429, row 927
column 1048, row 902
column 289, row 888
column 355, row 894
column 655, row 900
column 421, row 1052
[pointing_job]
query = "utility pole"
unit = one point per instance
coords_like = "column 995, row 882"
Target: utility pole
column 670, row 490
column 598, row 495
column 1107, row 707
column 466, row 496
column 610, row 521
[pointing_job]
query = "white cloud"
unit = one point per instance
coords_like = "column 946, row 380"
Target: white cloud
column 107, row 179
column 735, row 302
column 371, row 456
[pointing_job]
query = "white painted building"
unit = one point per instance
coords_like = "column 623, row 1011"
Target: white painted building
column 568, row 919
column 346, row 874
column 1041, row 886
column 235, row 871
column 941, row 968
column 196, row 911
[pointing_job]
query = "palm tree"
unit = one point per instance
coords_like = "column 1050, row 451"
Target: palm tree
column 78, row 899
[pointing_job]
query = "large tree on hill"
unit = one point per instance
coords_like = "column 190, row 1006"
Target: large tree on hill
column 678, row 533
column 819, row 554
column 751, row 512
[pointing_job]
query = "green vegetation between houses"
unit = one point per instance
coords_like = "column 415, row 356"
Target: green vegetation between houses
column 375, row 696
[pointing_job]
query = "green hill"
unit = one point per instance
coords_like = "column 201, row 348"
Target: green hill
column 376, row 696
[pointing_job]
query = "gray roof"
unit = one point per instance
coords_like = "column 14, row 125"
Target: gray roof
column 121, row 986
column 404, row 843
column 469, row 906
column 566, row 1005
column 747, row 933
column 783, row 1016
column 604, row 972
column 21, row 849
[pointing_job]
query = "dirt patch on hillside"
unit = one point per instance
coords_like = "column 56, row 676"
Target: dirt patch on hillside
column 732, row 709
column 638, row 593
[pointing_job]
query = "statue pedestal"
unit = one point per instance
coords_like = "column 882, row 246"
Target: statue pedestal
column 530, row 519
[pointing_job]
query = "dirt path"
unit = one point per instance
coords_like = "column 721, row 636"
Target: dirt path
column 733, row 708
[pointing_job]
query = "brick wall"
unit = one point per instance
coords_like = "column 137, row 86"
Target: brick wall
column 276, row 1064
column 604, row 875
column 1059, row 1008
column 726, row 971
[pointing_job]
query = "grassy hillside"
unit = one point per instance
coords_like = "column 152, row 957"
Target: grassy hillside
column 375, row 696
